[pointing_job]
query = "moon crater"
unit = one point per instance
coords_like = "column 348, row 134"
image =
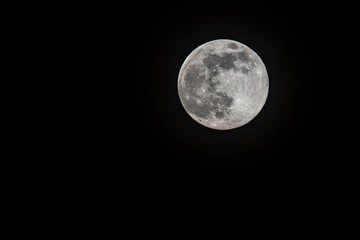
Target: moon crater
column 223, row 84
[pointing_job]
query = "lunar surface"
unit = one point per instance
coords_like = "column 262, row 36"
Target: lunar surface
column 223, row 84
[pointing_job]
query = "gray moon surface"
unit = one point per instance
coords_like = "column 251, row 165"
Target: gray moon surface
column 223, row 84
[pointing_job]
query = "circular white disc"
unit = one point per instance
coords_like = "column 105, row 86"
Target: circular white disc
column 223, row 84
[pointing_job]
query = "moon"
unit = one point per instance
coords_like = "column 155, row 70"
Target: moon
column 223, row 84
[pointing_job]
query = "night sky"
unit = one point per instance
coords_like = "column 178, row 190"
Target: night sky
column 160, row 150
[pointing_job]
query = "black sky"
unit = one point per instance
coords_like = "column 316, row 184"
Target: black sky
column 160, row 150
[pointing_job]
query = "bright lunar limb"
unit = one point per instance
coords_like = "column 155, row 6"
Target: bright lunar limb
column 223, row 84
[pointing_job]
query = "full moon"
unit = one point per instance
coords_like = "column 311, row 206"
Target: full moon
column 223, row 84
